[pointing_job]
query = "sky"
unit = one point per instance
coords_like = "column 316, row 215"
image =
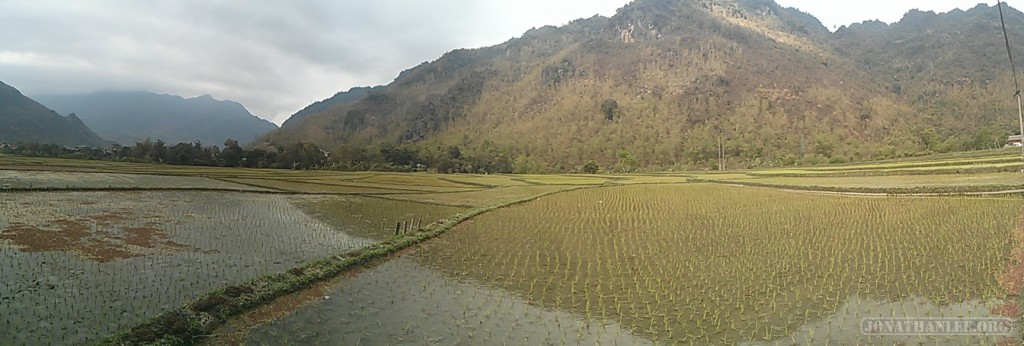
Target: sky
column 276, row 57
column 834, row 14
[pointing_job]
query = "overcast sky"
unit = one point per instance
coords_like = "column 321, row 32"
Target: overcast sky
column 276, row 57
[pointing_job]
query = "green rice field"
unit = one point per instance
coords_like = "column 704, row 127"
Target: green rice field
column 183, row 255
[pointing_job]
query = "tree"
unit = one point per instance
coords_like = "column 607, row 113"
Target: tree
column 141, row 150
column 232, row 153
column 181, row 154
column 398, row 156
column 159, row 151
column 525, row 164
column 627, row 162
column 929, row 138
column 591, row 167
column 983, row 138
column 609, row 107
column 454, row 153
column 200, row 155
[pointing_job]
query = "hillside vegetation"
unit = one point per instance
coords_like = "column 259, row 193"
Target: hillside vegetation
column 661, row 82
column 341, row 98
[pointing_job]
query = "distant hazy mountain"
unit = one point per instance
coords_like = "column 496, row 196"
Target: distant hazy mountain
column 25, row 120
column 341, row 98
column 130, row 116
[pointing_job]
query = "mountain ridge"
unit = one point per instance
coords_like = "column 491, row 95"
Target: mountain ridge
column 340, row 98
column 133, row 116
column 777, row 86
column 22, row 119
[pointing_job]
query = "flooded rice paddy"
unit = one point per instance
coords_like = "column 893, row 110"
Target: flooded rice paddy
column 79, row 266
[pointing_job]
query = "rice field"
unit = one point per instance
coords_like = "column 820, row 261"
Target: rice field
column 488, row 180
column 967, row 158
column 372, row 218
column 956, row 168
column 70, row 257
column 936, row 180
column 972, row 162
column 415, row 180
column 598, row 259
column 563, row 179
column 404, row 302
column 67, row 257
column 367, row 183
column 298, row 186
column 642, row 179
column 713, row 264
column 988, row 160
column 18, row 180
column 480, row 198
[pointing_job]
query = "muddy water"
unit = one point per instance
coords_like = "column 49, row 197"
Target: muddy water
column 59, row 180
column 403, row 302
column 55, row 290
column 843, row 327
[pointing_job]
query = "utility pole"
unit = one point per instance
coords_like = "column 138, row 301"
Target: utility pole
column 1020, row 117
column 1009, row 53
column 721, row 152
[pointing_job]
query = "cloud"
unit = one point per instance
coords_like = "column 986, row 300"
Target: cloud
column 275, row 57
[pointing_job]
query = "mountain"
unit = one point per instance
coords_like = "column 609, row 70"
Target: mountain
column 950, row 70
column 658, row 85
column 25, row 120
column 133, row 116
column 341, row 98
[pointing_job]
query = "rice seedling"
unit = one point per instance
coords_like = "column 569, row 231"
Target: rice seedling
column 730, row 264
column 480, row 198
column 907, row 181
column 435, row 308
column 562, row 179
column 47, row 180
column 418, row 180
column 308, row 187
column 689, row 263
column 361, row 183
column 369, row 217
column 486, row 180
column 128, row 256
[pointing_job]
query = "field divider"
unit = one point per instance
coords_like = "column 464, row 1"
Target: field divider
column 923, row 191
column 473, row 184
column 941, row 170
column 265, row 191
column 398, row 199
column 228, row 180
column 923, row 164
column 128, row 189
column 199, row 318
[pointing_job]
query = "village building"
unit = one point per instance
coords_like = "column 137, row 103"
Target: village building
column 1014, row 141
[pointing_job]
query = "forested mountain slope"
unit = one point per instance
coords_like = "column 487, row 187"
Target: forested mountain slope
column 660, row 82
column 25, row 120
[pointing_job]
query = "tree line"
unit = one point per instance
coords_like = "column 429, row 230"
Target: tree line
column 293, row 156
column 405, row 157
